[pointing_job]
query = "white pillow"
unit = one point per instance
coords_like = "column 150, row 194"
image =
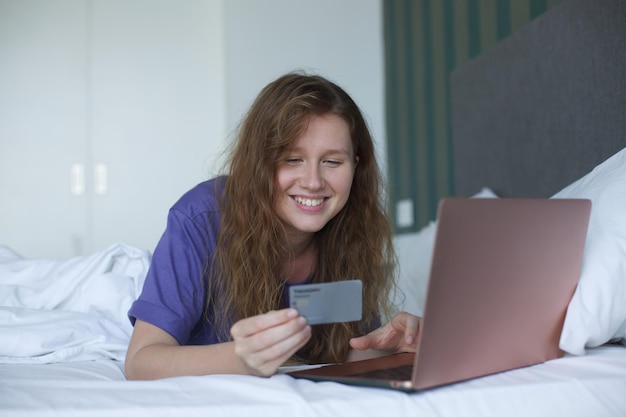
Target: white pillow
column 414, row 252
column 597, row 311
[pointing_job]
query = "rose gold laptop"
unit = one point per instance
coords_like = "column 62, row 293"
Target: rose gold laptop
column 502, row 275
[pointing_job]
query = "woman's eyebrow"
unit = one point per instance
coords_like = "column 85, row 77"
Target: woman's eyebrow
column 331, row 151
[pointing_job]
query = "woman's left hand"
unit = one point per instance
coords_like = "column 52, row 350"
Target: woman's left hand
column 399, row 335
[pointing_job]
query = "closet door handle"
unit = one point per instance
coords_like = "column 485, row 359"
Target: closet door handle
column 77, row 179
column 100, row 179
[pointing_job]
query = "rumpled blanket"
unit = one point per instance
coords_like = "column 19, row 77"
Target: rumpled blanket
column 68, row 310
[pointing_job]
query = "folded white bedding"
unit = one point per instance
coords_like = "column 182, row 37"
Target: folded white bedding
column 68, row 310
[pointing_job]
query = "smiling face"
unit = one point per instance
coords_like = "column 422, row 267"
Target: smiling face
column 315, row 177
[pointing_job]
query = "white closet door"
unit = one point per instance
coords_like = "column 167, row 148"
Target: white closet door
column 42, row 126
column 158, row 114
column 109, row 111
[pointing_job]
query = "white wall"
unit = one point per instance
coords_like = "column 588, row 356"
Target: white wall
column 158, row 110
column 339, row 39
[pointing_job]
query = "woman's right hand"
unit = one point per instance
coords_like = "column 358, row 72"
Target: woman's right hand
column 264, row 342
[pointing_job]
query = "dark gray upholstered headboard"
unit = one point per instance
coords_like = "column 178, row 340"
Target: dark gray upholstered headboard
column 545, row 105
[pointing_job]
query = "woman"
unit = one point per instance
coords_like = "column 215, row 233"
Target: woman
column 300, row 204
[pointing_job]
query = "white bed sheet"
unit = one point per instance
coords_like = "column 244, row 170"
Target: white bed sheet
column 590, row 385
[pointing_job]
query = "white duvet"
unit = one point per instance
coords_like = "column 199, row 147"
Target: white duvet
column 68, row 310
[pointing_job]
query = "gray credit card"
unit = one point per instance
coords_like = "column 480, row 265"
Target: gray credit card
column 331, row 302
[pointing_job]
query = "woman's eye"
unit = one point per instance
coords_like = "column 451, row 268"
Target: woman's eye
column 332, row 162
column 293, row 161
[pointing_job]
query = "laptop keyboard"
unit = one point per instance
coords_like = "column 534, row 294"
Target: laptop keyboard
column 400, row 373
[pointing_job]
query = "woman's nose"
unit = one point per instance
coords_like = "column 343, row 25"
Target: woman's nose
column 312, row 177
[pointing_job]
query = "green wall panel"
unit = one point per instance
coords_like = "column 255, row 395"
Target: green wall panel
column 425, row 40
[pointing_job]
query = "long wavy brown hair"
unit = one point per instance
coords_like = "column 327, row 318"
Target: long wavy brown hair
column 244, row 274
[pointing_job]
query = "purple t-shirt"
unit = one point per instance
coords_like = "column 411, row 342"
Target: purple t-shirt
column 174, row 293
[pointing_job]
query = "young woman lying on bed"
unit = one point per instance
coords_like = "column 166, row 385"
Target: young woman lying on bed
column 301, row 204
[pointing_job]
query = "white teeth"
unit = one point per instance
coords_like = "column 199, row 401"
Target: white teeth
column 309, row 202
